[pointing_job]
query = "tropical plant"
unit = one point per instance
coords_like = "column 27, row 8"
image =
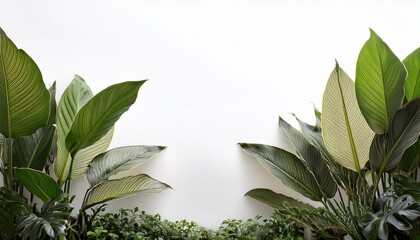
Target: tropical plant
column 368, row 132
column 35, row 132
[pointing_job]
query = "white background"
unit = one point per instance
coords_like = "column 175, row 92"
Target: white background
column 221, row 72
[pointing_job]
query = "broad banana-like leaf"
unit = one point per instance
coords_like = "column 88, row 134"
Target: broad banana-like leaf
column 118, row 160
column 412, row 83
column 311, row 156
column 25, row 101
column 86, row 155
column 380, row 78
column 345, row 132
column 73, row 99
column 387, row 149
column 38, row 183
column 33, row 151
column 124, row 187
column 99, row 115
column 287, row 167
column 411, row 158
column 275, row 200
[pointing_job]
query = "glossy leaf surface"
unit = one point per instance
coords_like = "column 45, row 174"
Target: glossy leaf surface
column 412, row 83
column 38, row 183
column 275, row 200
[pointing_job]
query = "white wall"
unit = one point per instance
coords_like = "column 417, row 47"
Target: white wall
column 220, row 73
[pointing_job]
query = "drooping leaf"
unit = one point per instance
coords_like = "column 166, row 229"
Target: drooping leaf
column 275, row 200
column 25, row 104
column 311, row 156
column 124, row 187
column 387, row 149
column 86, row 155
column 38, row 183
column 412, row 83
column 33, row 151
column 73, row 99
column 287, row 167
column 345, row 132
column 380, row 78
column 99, row 115
column 118, row 160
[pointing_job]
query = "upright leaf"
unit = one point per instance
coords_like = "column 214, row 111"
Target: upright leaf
column 412, row 83
column 311, row 156
column 38, row 183
column 345, row 132
column 99, row 115
column 118, row 160
column 73, row 99
column 25, row 104
column 124, row 187
column 387, row 149
column 275, row 200
column 286, row 167
column 380, row 80
column 33, row 151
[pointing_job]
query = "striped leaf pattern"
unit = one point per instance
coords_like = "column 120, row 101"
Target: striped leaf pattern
column 38, row 183
column 124, row 187
column 275, row 200
column 412, row 83
column 287, row 167
column 118, row 160
column 380, row 78
column 25, row 105
column 345, row 132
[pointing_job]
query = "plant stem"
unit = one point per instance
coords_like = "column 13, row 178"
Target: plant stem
column 10, row 165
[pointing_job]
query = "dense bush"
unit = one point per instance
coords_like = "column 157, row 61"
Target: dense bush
column 135, row 224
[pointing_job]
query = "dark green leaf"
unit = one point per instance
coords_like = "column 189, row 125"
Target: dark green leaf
column 287, row 167
column 38, row 183
column 311, row 156
column 387, row 149
column 275, row 200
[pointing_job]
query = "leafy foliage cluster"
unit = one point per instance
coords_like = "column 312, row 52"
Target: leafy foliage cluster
column 361, row 158
column 135, row 224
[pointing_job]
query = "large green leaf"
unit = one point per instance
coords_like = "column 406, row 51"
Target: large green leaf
column 287, row 167
column 124, row 187
column 33, row 151
column 25, row 101
column 275, row 200
column 311, row 156
column 118, row 160
column 412, row 83
column 345, row 132
column 38, row 183
column 99, row 115
column 387, row 149
column 380, row 80
column 411, row 158
column 86, row 155
column 73, row 99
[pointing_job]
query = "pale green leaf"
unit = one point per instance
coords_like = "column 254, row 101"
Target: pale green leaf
column 387, row 149
column 38, row 183
column 380, row 78
column 118, row 160
column 86, row 155
column 124, row 187
column 99, row 115
column 275, row 200
column 345, row 132
column 286, row 167
column 412, row 83
column 25, row 101
column 73, row 99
